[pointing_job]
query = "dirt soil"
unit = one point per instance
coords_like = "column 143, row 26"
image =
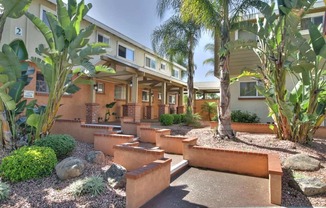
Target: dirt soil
column 52, row 192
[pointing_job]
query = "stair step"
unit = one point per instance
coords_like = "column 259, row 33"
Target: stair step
column 177, row 167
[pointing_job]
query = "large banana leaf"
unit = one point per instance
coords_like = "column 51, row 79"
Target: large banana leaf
column 44, row 29
column 15, row 8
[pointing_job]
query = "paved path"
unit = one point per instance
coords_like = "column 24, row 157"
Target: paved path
column 206, row 188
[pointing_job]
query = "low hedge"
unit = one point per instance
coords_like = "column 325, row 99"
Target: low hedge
column 62, row 144
column 28, row 163
column 166, row 119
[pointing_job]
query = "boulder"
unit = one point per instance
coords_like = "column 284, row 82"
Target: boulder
column 301, row 162
column 69, row 168
column 311, row 186
column 97, row 157
column 115, row 176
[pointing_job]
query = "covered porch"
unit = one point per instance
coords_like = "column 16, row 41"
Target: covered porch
column 137, row 91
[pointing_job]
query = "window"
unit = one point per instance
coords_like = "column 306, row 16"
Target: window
column 171, row 99
column 100, row 88
column 145, row 95
column 41, row 85
column 119, row 92
column 305, row 22
column 43, row 16
column 126, row 53
column 163, row 66
column 175, row 73
column 150, row 62
column 248, row 89
column 102, row 38
column 244, row 35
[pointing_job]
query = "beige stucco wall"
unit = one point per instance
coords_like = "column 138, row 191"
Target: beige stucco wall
column 254, row 105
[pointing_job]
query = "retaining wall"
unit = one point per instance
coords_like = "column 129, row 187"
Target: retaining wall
column 261, row 128
column 105, row 142
column 135, row 157
column 79, row 130
column 146, row 182
column 171, row 144
column 241, row 162
column 151, row 135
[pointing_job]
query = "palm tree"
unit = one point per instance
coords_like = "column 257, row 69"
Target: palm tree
column 210, row 61
column 177, row 38
column 220, row 17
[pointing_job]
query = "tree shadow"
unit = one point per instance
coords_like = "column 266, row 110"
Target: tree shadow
column 172, row 197
column 236, row 139
column 291, row 192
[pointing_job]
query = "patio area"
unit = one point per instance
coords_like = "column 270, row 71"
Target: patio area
column 206, row 188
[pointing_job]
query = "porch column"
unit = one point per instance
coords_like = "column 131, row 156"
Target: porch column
column 163, row 108
column 133, row 109
column 134, row 89
column 181, row 108
column 92, row 108
column 149, row 107
column 127, row 93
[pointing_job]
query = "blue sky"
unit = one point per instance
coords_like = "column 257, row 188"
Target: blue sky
column 137, row 19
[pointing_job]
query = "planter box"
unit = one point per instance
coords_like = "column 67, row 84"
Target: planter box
column 106, row 142
column 171, row 144
column 152, row 134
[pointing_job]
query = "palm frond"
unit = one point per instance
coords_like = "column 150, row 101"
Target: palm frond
column 163, row 6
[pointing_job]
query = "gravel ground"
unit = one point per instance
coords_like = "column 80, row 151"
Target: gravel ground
column 54, row 193
column 51, row 192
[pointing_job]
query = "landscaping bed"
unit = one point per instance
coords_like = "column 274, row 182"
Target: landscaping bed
column 53, row 192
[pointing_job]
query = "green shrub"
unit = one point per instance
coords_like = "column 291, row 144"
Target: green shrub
column 192, row 119
column 91, row 185
column 27, row 163
column 215, row 118
column 183, row 116
column 166, row 119
column 4, row 191
column 62, row 144
column 176, row 118
column 244, row 117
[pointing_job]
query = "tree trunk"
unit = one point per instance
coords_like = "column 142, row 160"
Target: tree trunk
column 191, row 71
column 224, row 118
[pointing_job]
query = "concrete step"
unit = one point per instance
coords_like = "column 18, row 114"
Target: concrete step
column 178, row 167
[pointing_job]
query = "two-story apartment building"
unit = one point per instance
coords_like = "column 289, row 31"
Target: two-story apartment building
column 244, row 95
column 145, row 85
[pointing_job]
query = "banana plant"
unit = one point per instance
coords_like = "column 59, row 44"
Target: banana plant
column 8, row 60
column 66, row 57
column 284, row 52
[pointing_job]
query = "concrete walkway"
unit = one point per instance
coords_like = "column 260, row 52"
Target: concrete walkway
column 206, row 188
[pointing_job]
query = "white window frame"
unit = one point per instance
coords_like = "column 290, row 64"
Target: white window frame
column 178, row 77
column 122, row 92
column 306, row 31
column 104, row 36
column 164, row 64
column 47, row 9
column 151, row 59
column 127, row 47
column 236, row 35
column 173, row 101
column 257, row 93
column 146, row 96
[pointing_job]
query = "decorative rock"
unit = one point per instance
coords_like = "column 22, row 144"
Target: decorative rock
column 311, row 186
column 69, row 168
column 97, row 157
column 302, row 162
column 116, row 176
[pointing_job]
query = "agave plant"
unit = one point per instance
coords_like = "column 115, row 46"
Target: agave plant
column 66, row 57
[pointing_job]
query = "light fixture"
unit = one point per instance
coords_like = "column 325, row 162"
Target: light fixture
column 95, row 87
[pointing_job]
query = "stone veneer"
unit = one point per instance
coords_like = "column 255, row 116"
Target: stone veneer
column 181, row 109
column 132, row 110
column 163, row 109
column 92, row 110
column 149, row 112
